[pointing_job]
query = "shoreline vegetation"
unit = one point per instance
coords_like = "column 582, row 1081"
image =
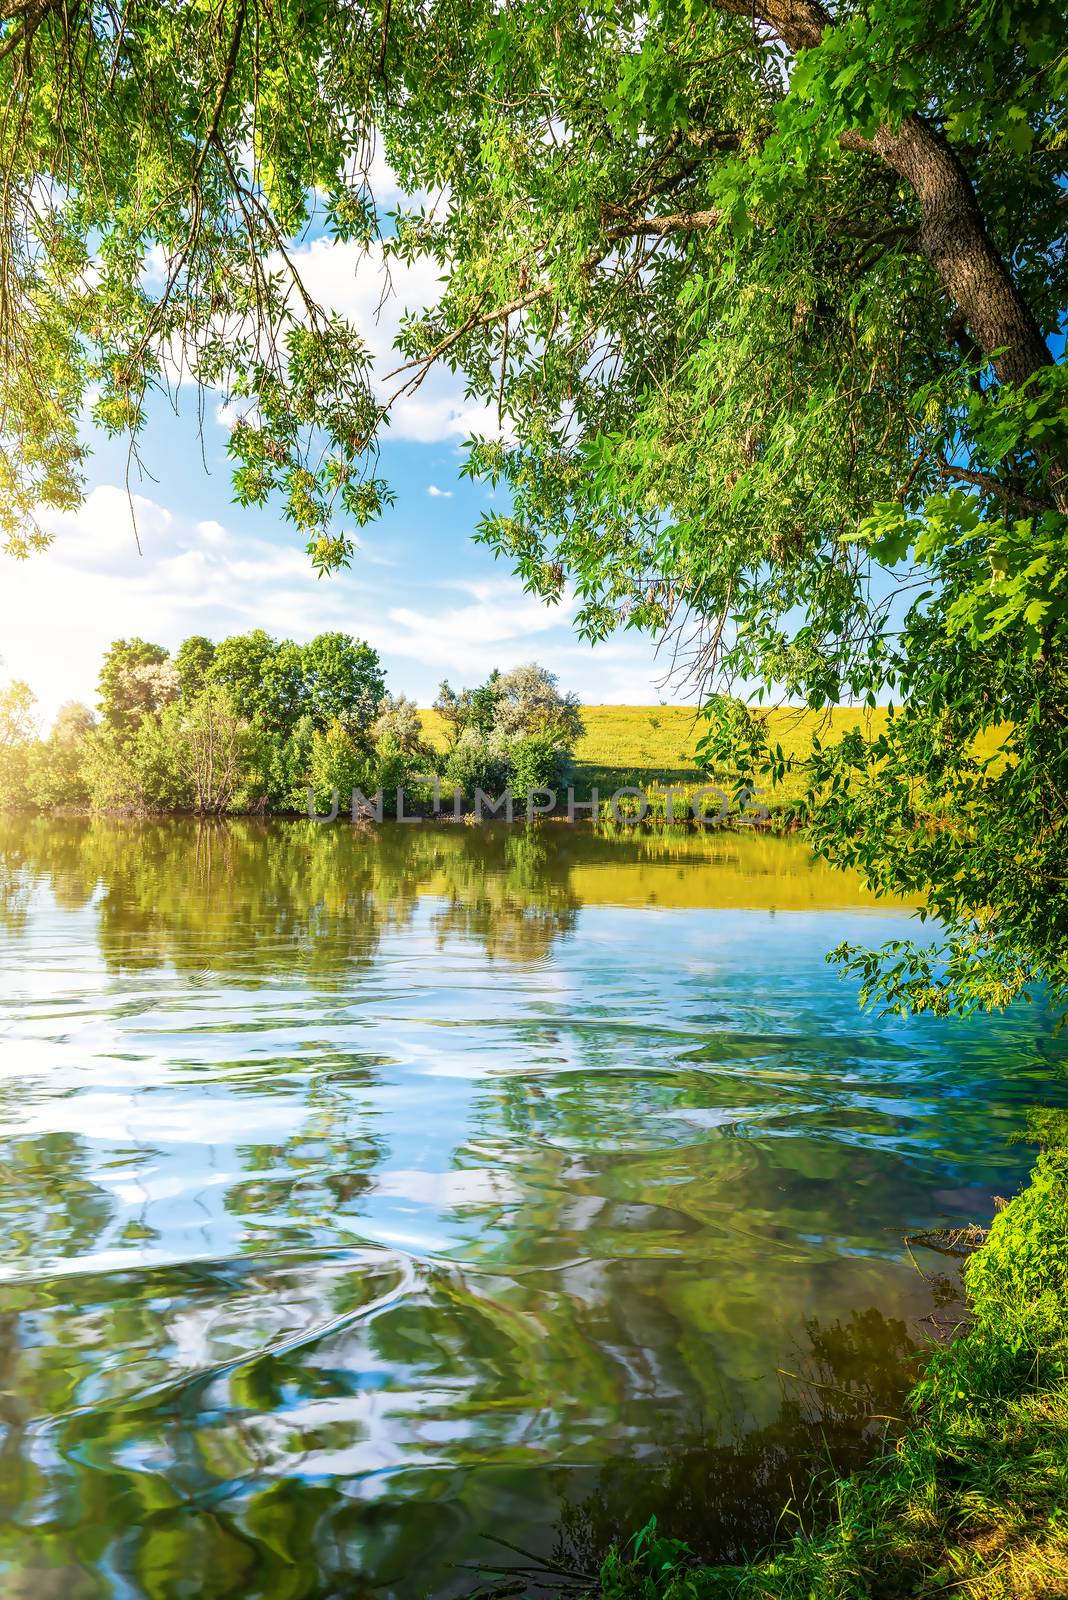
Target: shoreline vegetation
column 249, row 726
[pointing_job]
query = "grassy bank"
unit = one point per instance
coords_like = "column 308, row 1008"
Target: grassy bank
column 973, row 1501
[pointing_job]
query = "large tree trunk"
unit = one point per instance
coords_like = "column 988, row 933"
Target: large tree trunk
column 952, row 233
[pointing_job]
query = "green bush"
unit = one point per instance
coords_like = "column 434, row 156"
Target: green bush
column 474, row 763
column 392, row 767
column 54, row 774
column 139, row 770
column 1018, row 1281
column 15, row 775
column 280, row 766
column 340, row 763
column 537, row 762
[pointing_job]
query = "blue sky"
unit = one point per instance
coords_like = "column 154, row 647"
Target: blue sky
column 433, row 602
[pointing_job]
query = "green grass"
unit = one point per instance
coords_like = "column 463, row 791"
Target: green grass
column 973, row 1501
column 646, row 745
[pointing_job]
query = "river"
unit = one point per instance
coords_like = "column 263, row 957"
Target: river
column 366, row 1198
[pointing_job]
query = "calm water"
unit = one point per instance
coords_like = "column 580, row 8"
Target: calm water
column 365, row 1197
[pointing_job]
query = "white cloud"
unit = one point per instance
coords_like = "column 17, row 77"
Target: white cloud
column 485, row 589
column 369, row 553
column 384, row 183
column 438, row 494
column 623, row 670
column 59, row 611
column 498, row 629
column 429, row 419
column 187, row 574
column 155, row 269
column 107, row 529
column 229, row 413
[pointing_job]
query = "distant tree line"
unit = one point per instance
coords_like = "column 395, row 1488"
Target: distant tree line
column 252, row 723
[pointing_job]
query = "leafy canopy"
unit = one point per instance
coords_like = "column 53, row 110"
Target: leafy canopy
column 767, row 294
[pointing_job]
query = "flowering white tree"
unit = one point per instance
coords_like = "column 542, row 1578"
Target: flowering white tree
column 529, row 703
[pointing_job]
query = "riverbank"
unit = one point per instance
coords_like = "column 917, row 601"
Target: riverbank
column 650, row 752
column 973, row 1501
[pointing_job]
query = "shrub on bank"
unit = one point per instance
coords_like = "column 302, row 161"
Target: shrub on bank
column 537, row 762
column 339, row 764
column 476, row 763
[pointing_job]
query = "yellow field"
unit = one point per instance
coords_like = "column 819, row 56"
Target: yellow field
column 642, row 745
column 652, row 740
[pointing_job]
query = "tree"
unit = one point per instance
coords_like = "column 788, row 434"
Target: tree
column 398, row 719
column 55, row 770
column 17, row 721
column 246, row 665
column 136, row 679
column 472, row 710
column 214, row 745
column 277, row 684
column 342, row 682
column 515, row 729
column 765, row 290
column 280, row 765
column 138, row 769
column 475, row 762
column 512, row 705
column 73, row 722
column 482, row 705
column 529, row 703
column 537, row 761
column 338, row 763
column 17, row 725
column 452, row 711
column 285, row 693
column 193, row 661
